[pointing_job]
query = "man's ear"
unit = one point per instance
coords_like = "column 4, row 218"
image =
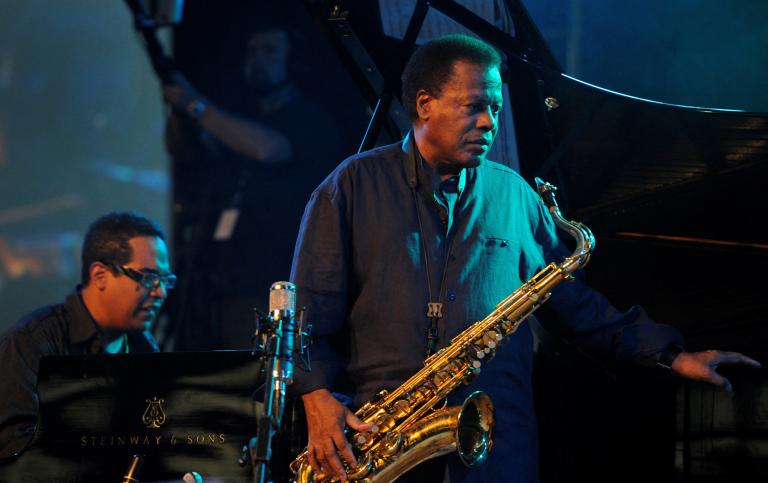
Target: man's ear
column 99, row 275
column 423, row 104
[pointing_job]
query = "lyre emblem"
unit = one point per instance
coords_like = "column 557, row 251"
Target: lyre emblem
column 154, row 416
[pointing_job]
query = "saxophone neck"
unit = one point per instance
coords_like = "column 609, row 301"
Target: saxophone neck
column 585, row 240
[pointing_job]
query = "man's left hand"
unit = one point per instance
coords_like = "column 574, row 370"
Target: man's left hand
column 701, row 366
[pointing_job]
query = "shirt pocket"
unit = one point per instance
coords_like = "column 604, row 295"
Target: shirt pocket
column 491, row 243
column 507, row 258
column 500, row 260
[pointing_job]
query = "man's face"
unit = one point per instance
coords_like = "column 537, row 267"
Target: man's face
column 266, row 58
column 456, row 130
column 133, row 307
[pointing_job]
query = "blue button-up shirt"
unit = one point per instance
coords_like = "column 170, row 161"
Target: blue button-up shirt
column 360, row 270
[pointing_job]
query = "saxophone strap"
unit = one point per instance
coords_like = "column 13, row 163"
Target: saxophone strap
column 435, row 306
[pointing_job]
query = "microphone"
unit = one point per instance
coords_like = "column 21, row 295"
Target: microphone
column 282, row 300
column 280, row 340
column 282, row 309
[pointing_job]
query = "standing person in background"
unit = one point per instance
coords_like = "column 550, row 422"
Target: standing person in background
column 258, row 154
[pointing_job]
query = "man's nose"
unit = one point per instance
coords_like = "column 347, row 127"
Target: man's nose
column 487, row 120
column 159, row 291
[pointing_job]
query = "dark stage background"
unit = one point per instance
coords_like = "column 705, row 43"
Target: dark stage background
column 81, row 123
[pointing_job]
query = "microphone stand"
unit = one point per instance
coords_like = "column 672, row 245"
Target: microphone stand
column 280, row 337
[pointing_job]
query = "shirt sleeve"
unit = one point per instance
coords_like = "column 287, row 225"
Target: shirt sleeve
column 586, row 317
column 320, row 267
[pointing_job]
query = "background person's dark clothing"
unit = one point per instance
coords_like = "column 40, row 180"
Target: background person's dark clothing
column 63, row 329
column 270, row 198
column 359, row 268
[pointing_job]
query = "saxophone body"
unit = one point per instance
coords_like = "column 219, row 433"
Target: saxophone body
column 411, row 430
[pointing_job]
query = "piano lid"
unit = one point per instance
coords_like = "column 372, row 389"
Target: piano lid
column 622, row 159
column 183, row 411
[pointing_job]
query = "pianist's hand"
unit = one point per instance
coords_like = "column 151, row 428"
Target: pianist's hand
column 701, row 366
column 326, row 419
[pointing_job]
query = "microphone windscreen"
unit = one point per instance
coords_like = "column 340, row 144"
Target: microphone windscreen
column 282, row 296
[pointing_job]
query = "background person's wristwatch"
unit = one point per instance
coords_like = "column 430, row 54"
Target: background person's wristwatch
column 197, row 108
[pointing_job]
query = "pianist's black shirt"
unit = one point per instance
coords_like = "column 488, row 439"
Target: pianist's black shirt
column 61, row 329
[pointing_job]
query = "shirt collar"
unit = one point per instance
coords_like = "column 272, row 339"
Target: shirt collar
column 419, row 173
column 410, row 160
column 82, row 327
column 84, row 331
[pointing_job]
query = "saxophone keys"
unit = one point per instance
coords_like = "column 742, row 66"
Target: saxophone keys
column 492, row 336
column 472, row 372
column 361, row 439
column 392, row 444
column 401, row 408
column 478, row 351
column 440, row 377
column 384, row 421
column 363, row 468
column 423, row 392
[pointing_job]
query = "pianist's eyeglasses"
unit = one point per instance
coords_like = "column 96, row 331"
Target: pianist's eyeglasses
column 148, row 280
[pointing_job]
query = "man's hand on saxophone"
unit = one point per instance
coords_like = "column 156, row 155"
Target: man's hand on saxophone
column 701, row 366
column 326, row 420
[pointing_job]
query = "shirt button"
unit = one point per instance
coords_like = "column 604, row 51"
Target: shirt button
column 451, row 296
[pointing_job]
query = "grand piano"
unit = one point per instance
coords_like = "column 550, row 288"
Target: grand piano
column 674, row 196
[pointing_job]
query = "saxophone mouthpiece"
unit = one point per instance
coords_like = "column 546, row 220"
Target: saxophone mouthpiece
column 547, row 193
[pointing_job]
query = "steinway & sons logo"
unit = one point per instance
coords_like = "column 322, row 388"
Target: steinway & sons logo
column 154, row 416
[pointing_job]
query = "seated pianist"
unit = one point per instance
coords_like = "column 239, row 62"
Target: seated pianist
column 125, row 279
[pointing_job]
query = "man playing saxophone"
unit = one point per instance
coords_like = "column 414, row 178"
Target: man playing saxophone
column 404, row 246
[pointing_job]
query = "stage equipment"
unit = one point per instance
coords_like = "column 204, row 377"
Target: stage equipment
column 131, row 476
column 147, row 23
column 279, row 337
column 164, row 12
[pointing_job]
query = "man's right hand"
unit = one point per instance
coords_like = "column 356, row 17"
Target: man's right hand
column 326, row 420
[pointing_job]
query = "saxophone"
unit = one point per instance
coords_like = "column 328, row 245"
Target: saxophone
column 411, row 430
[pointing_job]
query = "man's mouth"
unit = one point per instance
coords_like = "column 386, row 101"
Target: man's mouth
column 479, row 143
column 150, row 311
